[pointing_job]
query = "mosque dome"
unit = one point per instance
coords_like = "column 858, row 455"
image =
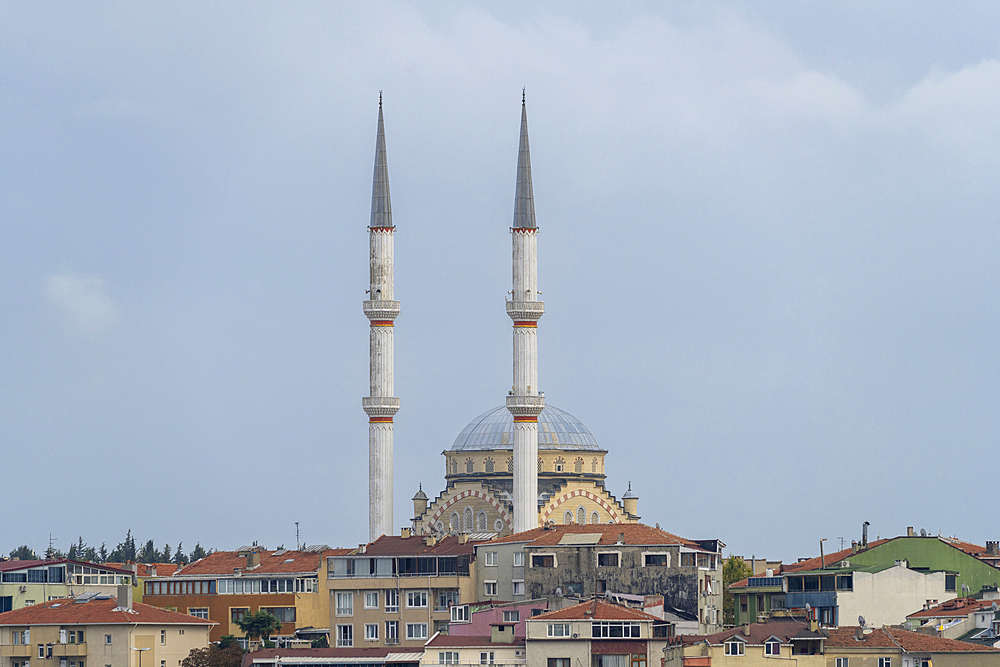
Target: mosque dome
column 557, row 429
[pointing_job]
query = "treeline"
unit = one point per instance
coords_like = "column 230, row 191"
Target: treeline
column 127, row 550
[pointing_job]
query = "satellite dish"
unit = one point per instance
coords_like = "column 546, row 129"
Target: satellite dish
column 808, row 608
column 965, row 587
column 559, row 591
column 923, row 532
column 861, row 621
column 994, row 605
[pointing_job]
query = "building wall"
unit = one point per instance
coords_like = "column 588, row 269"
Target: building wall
column 502, row 655
column 753, row 657
column 480, row 622
column 504, row 572
column 220, row 606
column 886, row 597
column 578, row 651
column 933, row 554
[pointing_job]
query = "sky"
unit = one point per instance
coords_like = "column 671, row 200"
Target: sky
column 768, row 254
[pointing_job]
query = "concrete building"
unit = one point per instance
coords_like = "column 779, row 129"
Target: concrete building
column 499, row 647
column 479, row 619
column 606, row 559
column 883, row 581
column 398, row 591
column 225, row 586
column 596, row 633
column 96, row 630
column 28, row 582
column 965, row 618
column 365, row 656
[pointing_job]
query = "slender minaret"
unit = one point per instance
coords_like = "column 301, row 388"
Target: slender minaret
column 381, row 310
column 524, row 401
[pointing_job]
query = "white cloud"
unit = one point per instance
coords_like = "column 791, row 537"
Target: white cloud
column 81, row 299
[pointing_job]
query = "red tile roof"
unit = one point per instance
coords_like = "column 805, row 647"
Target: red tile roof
column 283, row 562
column 390, row 545
column 440, row 640
column 955, row 607
column 142, row 569
column 98, row 611
column 896, row 638
column 809, row 563
column 268, row 655
column 596, row 610
column 633, row 534
column 782, row 628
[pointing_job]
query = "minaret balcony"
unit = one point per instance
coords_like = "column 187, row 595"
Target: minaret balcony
column 525, row 310
column 380, row 406
column 381, row 310
column 525, row 406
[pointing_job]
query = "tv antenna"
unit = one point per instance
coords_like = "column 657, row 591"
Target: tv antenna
column 298, row 545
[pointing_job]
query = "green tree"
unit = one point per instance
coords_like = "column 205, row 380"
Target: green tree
column 102, row 554
column 24, row 552
column 225, row 641
column 166, row 555
column 733, row 569
column 149, row 554
column 259, row 625
column 197, row 553
column 179, row 557
column 215, row 656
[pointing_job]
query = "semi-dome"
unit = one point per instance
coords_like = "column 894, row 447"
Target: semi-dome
column 557, row 429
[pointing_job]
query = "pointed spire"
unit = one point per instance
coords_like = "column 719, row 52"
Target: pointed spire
column 381, row 208
column 524, row 200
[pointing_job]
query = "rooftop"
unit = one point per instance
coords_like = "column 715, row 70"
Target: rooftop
column 756, row 633
column 895, row 638
column 376, row 655
column 557, row 429
column 95, row 610
column 957, row 607
column 271, row 562
column 596, row 610
column 390, row 545
column 11, row 565
column 442, row 641
column 602, row 534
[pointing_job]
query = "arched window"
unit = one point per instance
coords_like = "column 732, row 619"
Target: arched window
column 593, row 466
column 539, row 464
column 454, row 523
column 560, row 464
column 469, row 465
column 595, row 518
column 578, row 465
column 467, row 525
column 581, row 516
column 454, row 466
column 481, row 522
column 488, row 464
column 568, row 517
column 510, row 464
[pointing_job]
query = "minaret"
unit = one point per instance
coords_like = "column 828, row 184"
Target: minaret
column 524, row 401
column 381, row 310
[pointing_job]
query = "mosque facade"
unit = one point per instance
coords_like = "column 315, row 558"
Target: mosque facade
column 515, row 467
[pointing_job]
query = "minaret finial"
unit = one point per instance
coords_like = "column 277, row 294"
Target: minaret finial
column 522, row 97
column 524, row 200
column 380, row 99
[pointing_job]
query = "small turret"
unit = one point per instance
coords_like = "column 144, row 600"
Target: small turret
column 419, row 503
column 631, row 502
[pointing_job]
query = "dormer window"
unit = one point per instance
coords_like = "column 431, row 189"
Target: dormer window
column 735, row 647
column 772, row 647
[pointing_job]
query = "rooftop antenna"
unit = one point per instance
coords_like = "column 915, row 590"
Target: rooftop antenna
column 298, row 545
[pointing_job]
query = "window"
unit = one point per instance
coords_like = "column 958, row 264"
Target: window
column 467, row 520
column 560, row 464
column 578, row 465
column 41, row 650
column 845, row 582
column 454, row 466
column 518, row 559
column 559, row 662
column 491, row 559
column 539, row 464
column 581, row 516
column 607, row 559
column 567, row 518
column 511, row 616
column 489, row 465
column 371, row 632
column 469, row 465
column 345, row 604
column 447, row 657
column 460, row 613
column 391, row 600
column 687, row 560
column 416, row 599
column 557, row 630
column 949, row 582
column 345, row 636
column 656, row 560
column 737, row 648
column 841, row 662
column 392, row 632
column 885, row 662
column 595, row 518
column 236, row 614
column 163, row 663
column 510, row 464
column 614, row 629
column 518, row 587
column 772, row 648
column 489, row 588
column 416, row 631
column 198, row 612
column 543, row 560
column 481, row 522
column 600, row 586
column 486, row 658
column 455, row 523
column 371, row 600
column 163, row 637
column 107, row 639
column 283, row 614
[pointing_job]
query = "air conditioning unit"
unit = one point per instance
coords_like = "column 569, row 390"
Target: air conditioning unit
column 576, row 635
column 24, row 589
column 845, row 563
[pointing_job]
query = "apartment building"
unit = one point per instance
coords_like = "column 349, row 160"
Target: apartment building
column 24, row 583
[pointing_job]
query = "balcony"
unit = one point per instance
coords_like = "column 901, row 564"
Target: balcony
column 17, row 651
column 815, row 599
column 69, row 650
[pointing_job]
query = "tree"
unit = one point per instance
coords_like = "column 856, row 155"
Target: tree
column 733, row 569
column 215, row 655
column 148, row 553
column 225, row 641
column 179, row 557
column 197, row 553
column 102, row 554
column 124, row 552
column 24, row 552
column 259, row 625
column 90, row 555
column 320, row 642
column 166, row 555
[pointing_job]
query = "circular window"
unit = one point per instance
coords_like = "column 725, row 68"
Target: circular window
column 498, row 525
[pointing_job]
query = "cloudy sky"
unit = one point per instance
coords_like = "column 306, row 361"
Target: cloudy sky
column 768, row 254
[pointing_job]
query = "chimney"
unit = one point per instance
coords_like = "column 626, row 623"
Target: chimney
column 854, row 547
column 813, row 624
column 993, row 548
column 430, row 540
column 864, row 534
column 152, row 570
column 253, row 559
column 463, row 538
column 125, row 597
column 405, row 532
column 909, row 532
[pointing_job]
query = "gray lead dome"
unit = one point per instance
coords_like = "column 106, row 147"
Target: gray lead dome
column 557, row 429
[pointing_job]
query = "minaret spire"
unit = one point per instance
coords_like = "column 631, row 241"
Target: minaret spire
column 381, row 310
column 524, row 401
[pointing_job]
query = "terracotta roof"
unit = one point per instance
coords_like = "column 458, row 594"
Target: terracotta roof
column 9, row 565
column 142, row 569
column 470, row 640
column 896, row 638
column 954, row 607
column 390, row 545
column 98, row 611
column 596, row 610
column 271, row 562
column 269, row 654
column 810, row 563
column 782, row 628
column 634, row 534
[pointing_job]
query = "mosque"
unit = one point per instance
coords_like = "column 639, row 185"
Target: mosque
column 513, row 468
